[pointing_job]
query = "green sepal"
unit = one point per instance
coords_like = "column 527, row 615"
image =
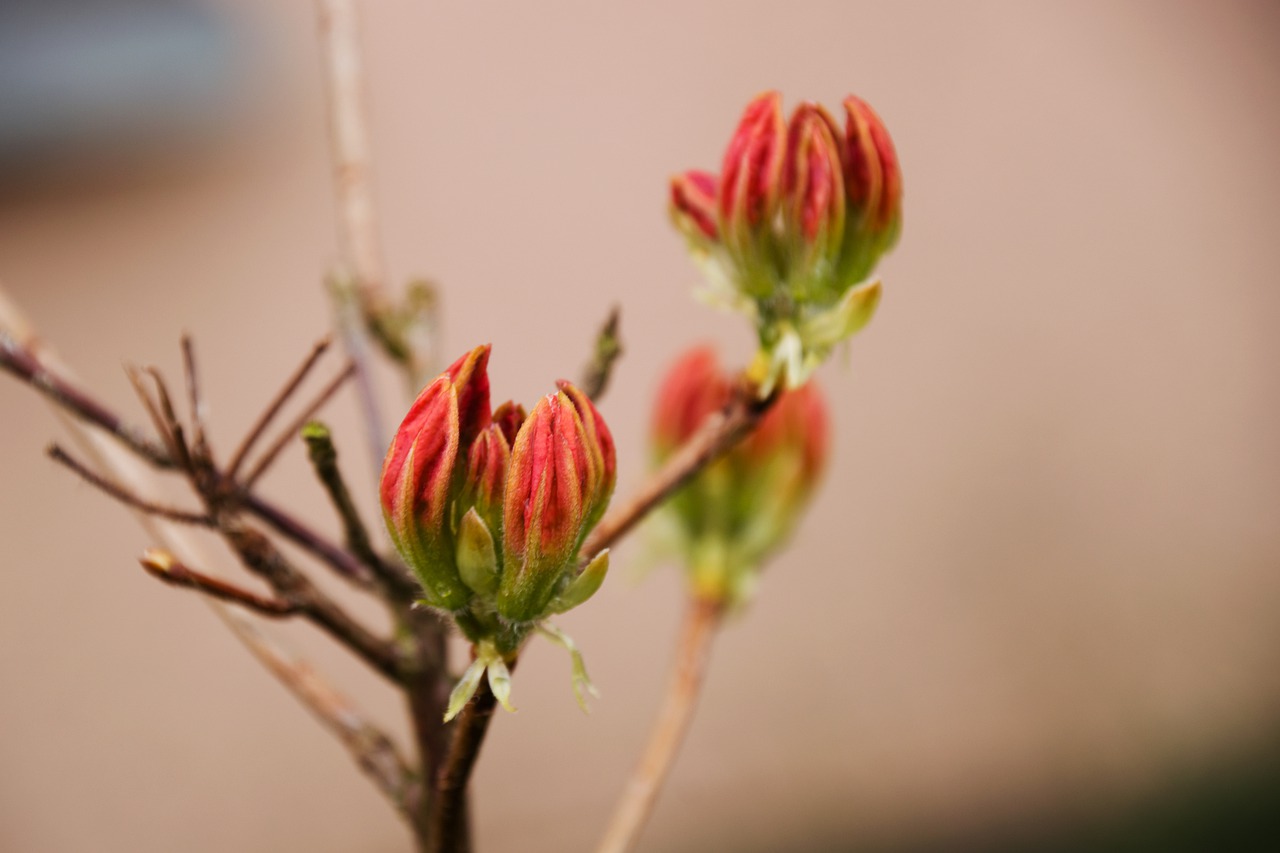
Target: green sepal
column 500, row 683
column 824, row 330
column 581, row 681
column 583, row 586
column 465, row 689
column 477, row 558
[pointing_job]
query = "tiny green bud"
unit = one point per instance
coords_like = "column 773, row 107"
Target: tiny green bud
column 584, row 585
column 477, row 558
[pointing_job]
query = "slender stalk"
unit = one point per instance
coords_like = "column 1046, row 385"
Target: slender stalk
column 605, row 352
column 123, row 495
column 262, row 558
column 324, row 460
column 717, row 435
column 448, row 828
column 702, row 619
column 273, row 408
column 23, row 363
column 290, row 433
column 353, row 186
column 163, row 566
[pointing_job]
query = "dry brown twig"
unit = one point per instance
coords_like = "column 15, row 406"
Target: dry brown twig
column 22, row 354
column 693, row 653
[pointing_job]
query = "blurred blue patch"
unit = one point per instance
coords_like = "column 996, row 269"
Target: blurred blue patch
column 84, row 76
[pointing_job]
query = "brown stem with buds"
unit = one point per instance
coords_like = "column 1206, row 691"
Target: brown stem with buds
column 717, row 435
column 702, row 619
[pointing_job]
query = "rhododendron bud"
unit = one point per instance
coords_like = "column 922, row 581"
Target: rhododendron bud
column 601, row 458
column 750, row 187
column 490, row 509
column 736, row 512
column 874, row 184
column 561, row 471
column 418, row 474
column 508, row 417
column 813, row 197
column 694, row 388
column 486, row 476
column 693, row 207
column 803, row 211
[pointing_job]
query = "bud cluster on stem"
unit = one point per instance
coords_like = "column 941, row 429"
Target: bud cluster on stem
column 791, row 229
column 738, row 510
column 490, row 508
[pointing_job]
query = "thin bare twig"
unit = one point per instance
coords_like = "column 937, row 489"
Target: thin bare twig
column 123, row 495
column 328, row 552
column 372, row 750
column 353, row 186
column 604, row 353
column 195, row 402
column 324, row 459
column 265, row 560
column 17, row 359
column 692, row 655
column 290, row 433
column 349, row 139
column 273, row 408
column 27, row 366
column 164, row 566
column 170, row 435
column 718, row 434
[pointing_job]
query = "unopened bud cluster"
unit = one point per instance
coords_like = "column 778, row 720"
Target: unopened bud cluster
column 792, row 227
column 490, row 507
column 737, row 511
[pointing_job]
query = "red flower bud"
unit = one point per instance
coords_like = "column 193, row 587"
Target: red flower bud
column 813, row 207
column 873, row 182
column 750, row 178
column 797, row 424
column 694, row 388
column 601, row 458
column 486, row 477
column 735, row 512
column 509, row 416
column 556, row 475
column 693, row 206
column 417, row 484
column 804, row 211
column 470, row 377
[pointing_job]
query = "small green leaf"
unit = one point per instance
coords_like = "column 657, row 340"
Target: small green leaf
column 581, row 681
column 584, row 585
column 842, row 320
column 500, row 683
column 466, row 688
column 477, row 559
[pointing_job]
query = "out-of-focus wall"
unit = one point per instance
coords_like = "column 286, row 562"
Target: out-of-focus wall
column 1041, row 578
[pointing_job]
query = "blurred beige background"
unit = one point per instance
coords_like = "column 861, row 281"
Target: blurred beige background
column 1039, row 584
